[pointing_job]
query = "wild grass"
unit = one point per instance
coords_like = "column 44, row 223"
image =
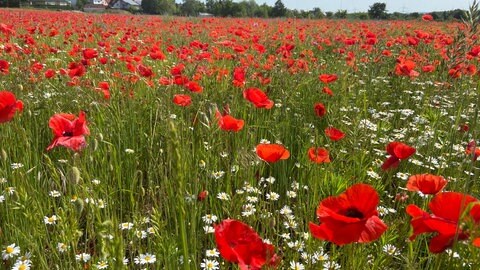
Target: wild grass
column 133, row 190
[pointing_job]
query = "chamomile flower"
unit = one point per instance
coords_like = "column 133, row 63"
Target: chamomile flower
column 209, row 264
column 10, row 251
column 296, row 265
column 331, row 265
column 22, row 265
column 102, row 264
column 208, row 229
column 52, row 220
column 212, row 252
column 272, row 196
column 62, row 247
column 146, row 258
column 126, row 226
column 209, row 218
column 54, row 193
column 223, row 196
column 83, row 257
column 391, row 250
column 248, row 210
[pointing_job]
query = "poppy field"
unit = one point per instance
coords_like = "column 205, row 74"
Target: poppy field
column 149, row 142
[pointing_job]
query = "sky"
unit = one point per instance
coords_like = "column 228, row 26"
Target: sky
column 363, row 5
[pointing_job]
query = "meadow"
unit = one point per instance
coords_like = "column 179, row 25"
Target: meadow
column 148, row 142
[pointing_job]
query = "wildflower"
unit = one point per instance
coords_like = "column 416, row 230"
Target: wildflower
column 228, row 122
column 69, row 131
column 208, row 229
column 447, row 214
column 334, row 134
column 126, row 226
column 22, row 265
column 8, row 105
column 50, row 220
column 272, row 152
column 10, row 251
column 397, row 151
column 327, row 78
column 102, row 264
column 212, row 252
column 320, row 109
column 209, row 264
column 248, row 210
column 331, row 265
column 318, row 155
column 182, row 100
column 54, row 193
column 146, row 258
column 258, row 98
column 62, row 247
column 426, row 183
column 296, row 266
column 223, row 196
column 239, row 243
column 349, row 217
column 272, row 196
column 85, row 257
column 209, row 219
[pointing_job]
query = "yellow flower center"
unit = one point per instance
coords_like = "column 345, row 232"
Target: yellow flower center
column 9, row 250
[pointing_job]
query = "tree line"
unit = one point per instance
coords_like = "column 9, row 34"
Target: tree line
column 250, row 8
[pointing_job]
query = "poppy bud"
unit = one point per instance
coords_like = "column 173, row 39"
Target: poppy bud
column 202, row 195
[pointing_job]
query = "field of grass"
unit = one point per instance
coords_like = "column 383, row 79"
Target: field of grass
column 145, row 181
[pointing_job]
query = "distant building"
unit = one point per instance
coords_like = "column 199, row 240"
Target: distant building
column 127, row 4
column 204, row 14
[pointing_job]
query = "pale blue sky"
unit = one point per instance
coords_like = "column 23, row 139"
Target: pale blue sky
column 363, row 5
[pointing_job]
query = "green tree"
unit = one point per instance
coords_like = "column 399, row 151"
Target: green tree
column 378, row 11
column 167, row 7
column 341, row 14
column 317, row 13
column 279, row 9
column 150, row 6
column 191, row 7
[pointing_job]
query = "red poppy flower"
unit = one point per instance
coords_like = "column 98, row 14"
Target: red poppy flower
column 194, row 87
column 8, row 106
column 4, row 65
column 447, row 208
column 104, row 87
column 320, row 109
column 427, row 17
column 238, row 243
column 406, row 68
column 238, row 76
column 69, row 131
column 49, row 73
column 327, row 78
column 473, row 150
column 144, row 71
column 318, row 155
column 350, row 217
column 327, row 91
column 182, row 100
column 428, row 68
column 229, row 123
column 397, row 151
column 258, row 98
column 334, row 134
column 426, row 183
column 89, row 53
column 272, row 152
